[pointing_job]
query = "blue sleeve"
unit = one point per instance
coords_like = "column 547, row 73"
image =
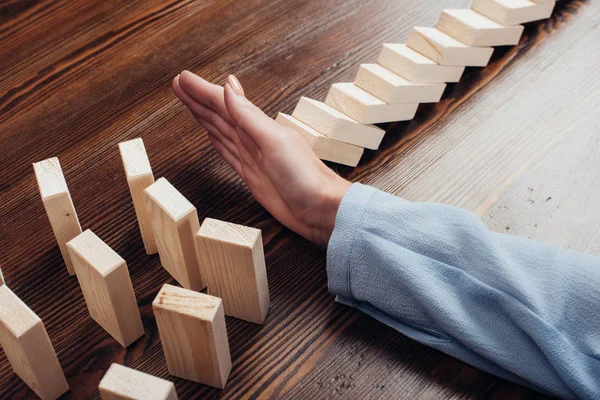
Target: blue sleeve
column 519, row 309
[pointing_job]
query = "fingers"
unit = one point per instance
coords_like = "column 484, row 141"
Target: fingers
column 205, row 93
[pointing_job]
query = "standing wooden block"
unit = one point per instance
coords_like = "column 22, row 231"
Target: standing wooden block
column 393, row 89
column 175, row 222
column 193, row 334
column 106, row 287
column 365, row 108
column 335, row 125
column 234, row 262
column 122, row 383
column 139, row 177
column 445, row 50
column 473, row 29
column 513, row 12
column 28, row 348
column 58, row 204
column 415, row 67
column 325, row 148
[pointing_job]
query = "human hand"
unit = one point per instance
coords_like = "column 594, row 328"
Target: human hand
column 277, row 164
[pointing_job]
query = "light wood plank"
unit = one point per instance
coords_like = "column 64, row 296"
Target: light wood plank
column 1, row 278
column 513, row 12
column 234, row 261
column 193, row 335
column 122, row 383
column 58, row 204
column 473, row 29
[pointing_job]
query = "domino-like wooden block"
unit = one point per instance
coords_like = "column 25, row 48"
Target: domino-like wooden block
column 415, row 67
column 106, row 286
column 513, row 12
column 365, row 108
column 445, row 50
column 139, row 177
column 192, row 330
column 393, row 89
column 1, row 278
column 234, row 261
column 58, row 204
column 28, row 348
column 473, row 29
column 175, row 222
column 336, row 125
column 122, row 383
column 325, row 148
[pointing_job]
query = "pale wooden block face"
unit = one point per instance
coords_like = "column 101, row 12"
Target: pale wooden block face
column 513, row 12
column 1, row 278
column 445, row 50
column 50, row 178
column 134, row 157
column 415, row 67
column 234, row 260
column 393, row 89
column 193, row 334
column 473, row 29
column 122, row 383
column 325, row 148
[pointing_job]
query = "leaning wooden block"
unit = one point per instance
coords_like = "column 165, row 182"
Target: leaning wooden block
column 415, row 67
column 28, row 348
column 445, row 50
column 393, row 89
column 106, row 286
column 122, row 383
column 1, row 278
column 193, row 335
column 139, row 177
column 58, row 204
column 335, row 125
column 513, row 12
column 325, row 148
column 365, row 108
column 234, row 261
column 473, row 29
column 175, row 222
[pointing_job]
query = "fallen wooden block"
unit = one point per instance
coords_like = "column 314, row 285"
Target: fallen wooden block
column 122, row 383
column 58, row 204
column 175, row 222
column 106, row 286
column 393, row 89
column 139, row 177
column 473, row 29
column 325, row 148
column 365, row 108
column 28, row 348
column 193, row 335
column 234, row 262
column 415, row 67
column 335, row 125
column 445, row 50
column 513, row 12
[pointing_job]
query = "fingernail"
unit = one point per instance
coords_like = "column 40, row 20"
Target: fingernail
column 235, row 85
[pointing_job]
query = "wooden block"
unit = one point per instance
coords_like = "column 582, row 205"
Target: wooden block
column 193, row 334
column 335, row 125
column 473, row 29
column 415, row 67
column 445, row 50
column 393, row 89
column 139, row 177
column 513, row 12
column 175, row 223
column 58, row 204
column 28, row 348
column 365, row 108
column 122, row 383
column 106, row 286
column 234, row 261
column 325, row 148
column 1, row 278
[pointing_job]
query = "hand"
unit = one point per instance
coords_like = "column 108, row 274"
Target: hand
column 277, row 164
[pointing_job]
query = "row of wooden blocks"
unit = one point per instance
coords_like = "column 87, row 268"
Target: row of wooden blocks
column 225, row 258
column 406, row 75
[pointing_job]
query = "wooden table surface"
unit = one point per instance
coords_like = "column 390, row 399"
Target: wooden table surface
column 518, row 143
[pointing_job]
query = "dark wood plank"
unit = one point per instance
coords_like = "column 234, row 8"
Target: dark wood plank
column 515, row 142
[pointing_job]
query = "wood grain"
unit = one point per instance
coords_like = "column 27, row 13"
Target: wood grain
column 516, row 142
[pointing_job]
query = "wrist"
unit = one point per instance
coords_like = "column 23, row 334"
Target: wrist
column 331, row 198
